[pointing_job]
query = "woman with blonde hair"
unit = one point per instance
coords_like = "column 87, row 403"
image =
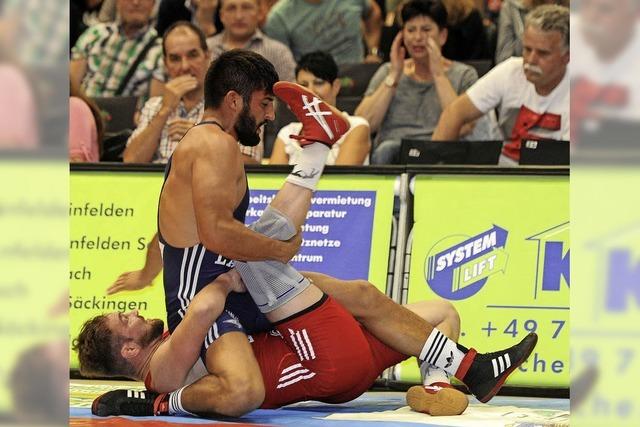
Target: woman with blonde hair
column 511, row 25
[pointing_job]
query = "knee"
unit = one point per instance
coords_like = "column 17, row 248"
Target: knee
column 368, row 298
column 387, row 152
column 244, row 395
column 451, row 315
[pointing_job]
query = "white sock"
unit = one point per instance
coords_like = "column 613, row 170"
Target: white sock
column 442, row 352
column 432, row 374
column 175, row 404
column 309, row 169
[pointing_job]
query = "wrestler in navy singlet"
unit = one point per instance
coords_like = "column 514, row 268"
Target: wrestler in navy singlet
column 187, row 270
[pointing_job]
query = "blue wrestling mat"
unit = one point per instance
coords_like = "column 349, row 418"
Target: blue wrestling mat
column 373, row 409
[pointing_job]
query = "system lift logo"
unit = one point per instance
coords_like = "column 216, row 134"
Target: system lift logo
column 458, row 266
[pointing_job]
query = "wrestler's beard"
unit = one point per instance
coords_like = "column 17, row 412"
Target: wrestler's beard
column 157, row 328
column 247, row 129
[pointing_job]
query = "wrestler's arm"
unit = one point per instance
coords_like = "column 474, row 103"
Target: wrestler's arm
column 171, row 363
column 214, row 199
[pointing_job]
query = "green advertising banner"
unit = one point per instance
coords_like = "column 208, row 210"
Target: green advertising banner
column 497, row 247
column 605, row 313
column 113, row 217
column 33, row 288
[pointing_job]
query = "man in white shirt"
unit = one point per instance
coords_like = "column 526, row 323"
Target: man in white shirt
column 605, row 105
column 532, row 92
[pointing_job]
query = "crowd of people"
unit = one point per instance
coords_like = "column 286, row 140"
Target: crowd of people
column 423, row 52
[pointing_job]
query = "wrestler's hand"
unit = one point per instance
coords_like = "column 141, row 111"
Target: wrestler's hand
column 290, row 248
column 130, row 281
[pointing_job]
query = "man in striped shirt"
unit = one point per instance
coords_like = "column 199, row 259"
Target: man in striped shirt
column 104, row 53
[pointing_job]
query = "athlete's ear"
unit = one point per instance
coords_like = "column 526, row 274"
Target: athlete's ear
column 234, row 100
column 130, row 349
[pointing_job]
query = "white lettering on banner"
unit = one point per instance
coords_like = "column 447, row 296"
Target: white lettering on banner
column 341, row 200
column 467, row 251
column 332, row 213
column 318, row 259
column 477, row 269
column 324, row 243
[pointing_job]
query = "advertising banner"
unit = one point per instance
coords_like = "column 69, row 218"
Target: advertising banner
column 113, row 218
column 605, row 313
column 33, row 288
column 497, row 247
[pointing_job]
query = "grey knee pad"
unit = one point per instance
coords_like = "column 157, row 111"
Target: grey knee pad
column 272, row 283
column 274, row 224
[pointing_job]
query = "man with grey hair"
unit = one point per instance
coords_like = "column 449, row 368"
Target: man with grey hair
column 532, row 92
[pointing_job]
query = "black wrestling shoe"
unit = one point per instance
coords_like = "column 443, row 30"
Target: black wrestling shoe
column 485, row 373
column 137, row 403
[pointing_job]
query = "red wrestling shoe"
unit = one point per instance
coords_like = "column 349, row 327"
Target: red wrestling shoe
column 320, row 121
column 437, row 399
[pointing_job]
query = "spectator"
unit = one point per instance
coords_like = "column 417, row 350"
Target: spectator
column 118, row 59
column 202, row 13
column 334, row 26
column 18, row 110
column 466, row 37
column 86, row 128
column 240, row 19
column 605, row 101
column 511, row 25
column 318, row 72
column 165, row 119
column 532, row 92
column 406, row 97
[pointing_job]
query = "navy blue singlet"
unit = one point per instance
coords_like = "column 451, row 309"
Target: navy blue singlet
column 187, row 270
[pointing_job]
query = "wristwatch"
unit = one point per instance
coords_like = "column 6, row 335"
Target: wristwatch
column 390, row 81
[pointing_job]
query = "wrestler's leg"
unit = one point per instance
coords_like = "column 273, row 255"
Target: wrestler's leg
column 439, row 313
column 235, row 385
column 394, row 325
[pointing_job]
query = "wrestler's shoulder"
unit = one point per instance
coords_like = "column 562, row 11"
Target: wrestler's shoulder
column 200, row 140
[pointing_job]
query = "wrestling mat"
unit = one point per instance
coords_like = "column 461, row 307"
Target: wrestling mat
column 373, row 409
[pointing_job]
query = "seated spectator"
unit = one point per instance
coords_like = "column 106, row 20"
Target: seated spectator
column 334, row 26
column 18, row 110
column 466, row 37
column 165, row 119
column 86, row 128
column 118, row 59
column 531, row 92
column 240, row 19
column 605, row 87
column 201, row 13
column 318, row 72
column 406, row 97
column 511, row 25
